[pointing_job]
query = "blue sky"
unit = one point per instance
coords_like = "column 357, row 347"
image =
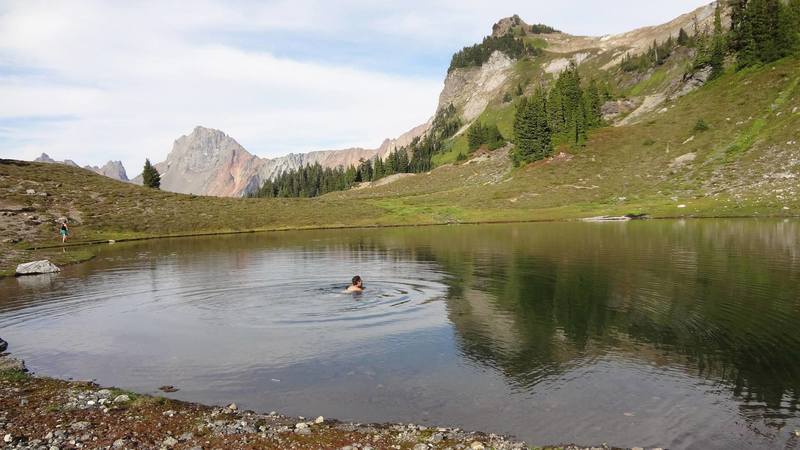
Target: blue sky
column 99, row 80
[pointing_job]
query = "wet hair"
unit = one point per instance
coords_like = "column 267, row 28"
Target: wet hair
column 356, row 280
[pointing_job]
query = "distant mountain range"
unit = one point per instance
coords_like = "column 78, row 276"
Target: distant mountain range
column 112, row 169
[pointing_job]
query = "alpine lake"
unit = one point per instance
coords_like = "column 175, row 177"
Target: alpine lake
column 666, row 333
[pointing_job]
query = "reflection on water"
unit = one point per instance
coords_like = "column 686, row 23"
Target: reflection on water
column 676, row 334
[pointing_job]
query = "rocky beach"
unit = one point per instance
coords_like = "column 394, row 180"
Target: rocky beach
column 50, row 414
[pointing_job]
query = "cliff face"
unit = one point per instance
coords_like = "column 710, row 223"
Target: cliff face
column 471, row 89
column 207, row 162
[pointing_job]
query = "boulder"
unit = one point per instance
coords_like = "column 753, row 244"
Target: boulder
column 37, row 267
column 683, row 160
column 9, row 363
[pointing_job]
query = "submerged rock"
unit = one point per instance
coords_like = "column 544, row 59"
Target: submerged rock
column 3, row 345
column 37, row 267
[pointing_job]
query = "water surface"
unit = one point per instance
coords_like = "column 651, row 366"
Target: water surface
column 680, row 334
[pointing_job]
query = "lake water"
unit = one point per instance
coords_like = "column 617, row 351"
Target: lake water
column 680, row 334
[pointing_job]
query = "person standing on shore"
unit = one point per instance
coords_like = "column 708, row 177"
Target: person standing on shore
column 64, row 231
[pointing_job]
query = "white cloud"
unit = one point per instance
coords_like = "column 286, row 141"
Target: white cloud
column 122, row 80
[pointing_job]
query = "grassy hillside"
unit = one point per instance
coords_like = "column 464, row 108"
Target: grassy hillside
column 745, row 164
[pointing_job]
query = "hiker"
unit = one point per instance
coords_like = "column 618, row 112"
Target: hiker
column 357, row 285
column 64, row 231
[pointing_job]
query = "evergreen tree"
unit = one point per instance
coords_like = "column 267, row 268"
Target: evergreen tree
column 150, row 176
column 533, row 136
column 683, row 38
column 718, row 49
column 594, row 105
column 475, row 135
column 378, row 171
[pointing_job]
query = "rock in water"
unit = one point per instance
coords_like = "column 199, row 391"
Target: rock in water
column 3, row 345
column 37, row 267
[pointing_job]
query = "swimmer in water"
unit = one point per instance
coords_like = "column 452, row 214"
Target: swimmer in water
column 357, row 285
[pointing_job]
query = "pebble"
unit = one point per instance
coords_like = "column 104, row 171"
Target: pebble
column 476, row 446
column 119, row 443
column 319, row 420
column 186, row 436
column 80, row 426
column 421, row 447
column 8, row 438
column 121, row 398
column 301, row 425
column 233, row 407
column 170, row 441
column 437, row 437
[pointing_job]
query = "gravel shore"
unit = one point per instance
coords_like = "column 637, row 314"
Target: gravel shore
column 48, row 414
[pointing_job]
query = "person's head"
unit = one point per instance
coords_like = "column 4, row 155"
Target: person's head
column 357, row 281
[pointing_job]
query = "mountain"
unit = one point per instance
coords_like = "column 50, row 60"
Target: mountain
column 112, row 169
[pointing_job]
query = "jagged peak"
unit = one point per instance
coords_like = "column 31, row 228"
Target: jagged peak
column 507, row 24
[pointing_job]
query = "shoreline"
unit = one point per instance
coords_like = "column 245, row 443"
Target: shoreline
column 10, row 272
column 43, row 412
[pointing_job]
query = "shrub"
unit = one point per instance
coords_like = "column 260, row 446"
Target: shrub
column 701, row 126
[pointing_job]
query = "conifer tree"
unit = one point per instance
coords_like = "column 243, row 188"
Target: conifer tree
column 683, row 37
column 717, row 60
column 475, row 135
column 150, row 176
column 533, row 136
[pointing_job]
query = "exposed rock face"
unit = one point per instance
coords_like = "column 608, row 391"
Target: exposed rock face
column 207, row 162
column 37, row 267
column 471, row 89
column 615, row 108
column 504, row 25
column 389, row 145
column 112, row 169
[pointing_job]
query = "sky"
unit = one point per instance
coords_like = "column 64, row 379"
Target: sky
column 94, row 81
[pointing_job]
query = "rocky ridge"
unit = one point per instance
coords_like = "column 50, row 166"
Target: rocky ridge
column 111, row 169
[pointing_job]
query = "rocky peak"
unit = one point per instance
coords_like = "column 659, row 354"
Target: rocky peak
column 45, row 158
column 112, row 169
column 506, row 25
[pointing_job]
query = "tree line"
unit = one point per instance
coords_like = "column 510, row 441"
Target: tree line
column 314, row 180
